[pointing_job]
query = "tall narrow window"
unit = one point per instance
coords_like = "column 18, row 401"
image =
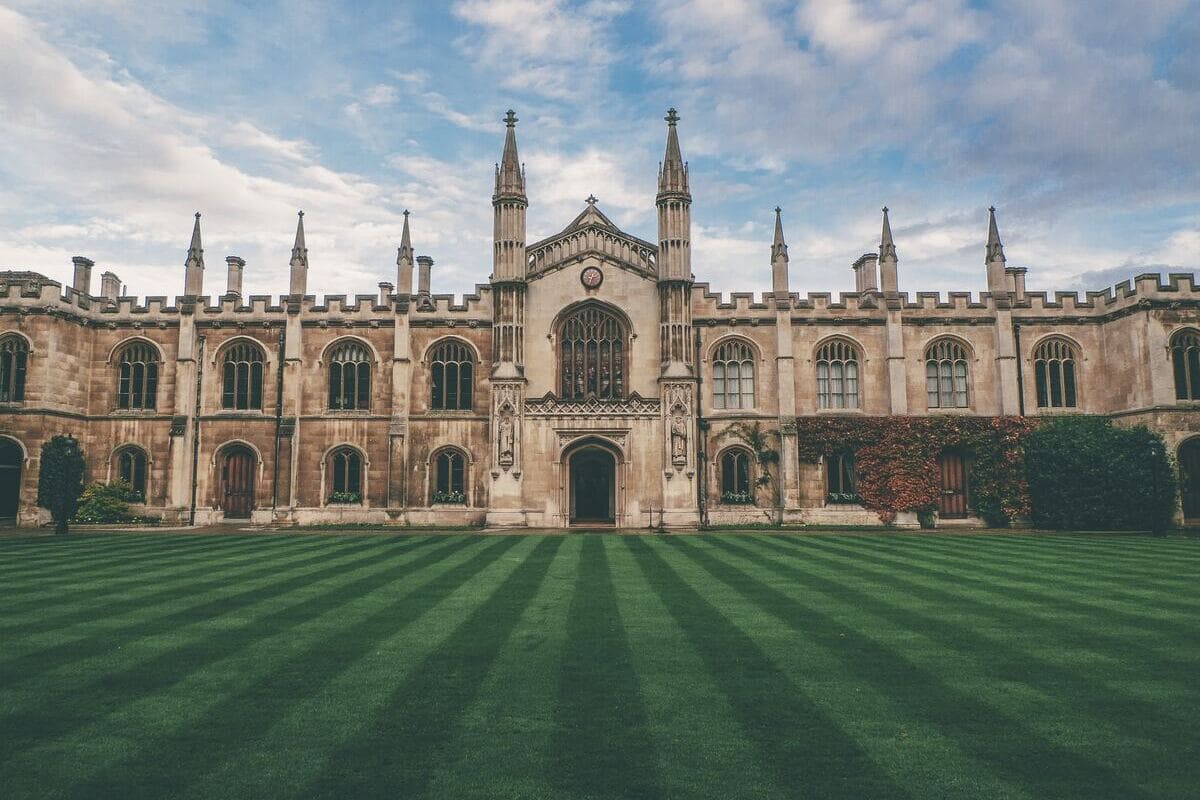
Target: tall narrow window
column 14, row 355
column 837, row 374
column 733, row 375
column 345, row 466
column 840, row 483
column 449, row 483
column 592, row 355
column 349, row 377
column 131, row 468
column 946, row 374
column 242, row 377
column 1185, row 356
column 137, row 376
column 735, row 477
column 1054, row 373
column 451, row 371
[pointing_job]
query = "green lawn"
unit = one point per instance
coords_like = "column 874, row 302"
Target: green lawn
column 591, row 665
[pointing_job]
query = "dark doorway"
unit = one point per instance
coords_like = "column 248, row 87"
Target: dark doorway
column 952, row 502
column 11, row 459
column 237, row 482
column 593, row 481
column 1189, row 474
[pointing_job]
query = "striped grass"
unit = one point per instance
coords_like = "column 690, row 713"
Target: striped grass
column 600, row 666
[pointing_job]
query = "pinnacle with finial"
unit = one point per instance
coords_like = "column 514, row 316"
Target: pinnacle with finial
column 995, row 249
column 509, row 178
column 778, row 245
column 299, row 250
column 887, row 247
column 510, row 119
column 195, row 250
column 673, row 177
column 592, row 200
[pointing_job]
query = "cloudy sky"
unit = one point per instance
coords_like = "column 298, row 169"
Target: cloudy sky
column 1079, row 121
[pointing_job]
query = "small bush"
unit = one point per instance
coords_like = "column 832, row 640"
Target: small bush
column 1086, row 473
column 60, row 479
column 102, row 504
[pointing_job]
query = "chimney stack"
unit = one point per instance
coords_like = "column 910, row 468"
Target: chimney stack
column 110, row 287
column 1016, row 282
column 424, row 266
column 233, row 283
column 385, row 291
column 82, row 281
column 865, row 279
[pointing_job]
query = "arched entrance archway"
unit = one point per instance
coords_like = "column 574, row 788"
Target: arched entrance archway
column 237, row 481
column 12, row 458
column 1189, row 478
column 593, row 486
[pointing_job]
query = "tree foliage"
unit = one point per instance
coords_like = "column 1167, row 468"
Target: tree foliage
column 1084, row 472
column 60, row 479
column 105, row 503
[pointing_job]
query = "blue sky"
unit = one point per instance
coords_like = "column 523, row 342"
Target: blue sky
column 1079, row 121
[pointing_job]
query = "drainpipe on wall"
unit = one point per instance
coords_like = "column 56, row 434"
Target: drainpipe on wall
column 196, row 429
column 701, row 438
column 278, row 420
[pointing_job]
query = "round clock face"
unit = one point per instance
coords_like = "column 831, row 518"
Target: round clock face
column 592, row 277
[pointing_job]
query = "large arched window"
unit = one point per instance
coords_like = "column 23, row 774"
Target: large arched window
column 451, row 368
column 14, row 355
column 137, row 376
column 946, row 374
column 345, row 475
column 1185, row 356
column 1054, row 373
column 350, row 377
column 242, row 377
column 733, row 375
column 449, row 476
column 735, row 476
column 131, row 468
column 837, row 374
column 592, row 355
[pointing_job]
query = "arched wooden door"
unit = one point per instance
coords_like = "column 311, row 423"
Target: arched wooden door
column 11, row 460
column 237, row 482
column 593, row 486
column 952, row 502
column 1189, row 478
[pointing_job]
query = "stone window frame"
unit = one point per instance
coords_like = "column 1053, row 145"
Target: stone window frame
column 754, row 358
column 833, row 351
column 735, row 451
column 330, row 358
column 431, row 474
column 16, row 373
column 625, row 338
column 964, row 355
column 220, row 357
column 1183, row 348
column 429, row 360
column 116, row 466
column 329, row 479
column 1052, row 350
column 151, row 372
column 844, row 473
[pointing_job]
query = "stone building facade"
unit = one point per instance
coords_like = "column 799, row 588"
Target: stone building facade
column 591, row 381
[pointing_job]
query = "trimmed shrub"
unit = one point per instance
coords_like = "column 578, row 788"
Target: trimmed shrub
column 60, row 479
column 105, row 503
column 1086, row 473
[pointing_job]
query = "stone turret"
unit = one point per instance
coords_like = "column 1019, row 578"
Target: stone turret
column 298, row 285
column 509, row 203
column 193, row 267
column 888, row 272
column 404, row 262
column 674, row 210
column 779, row 259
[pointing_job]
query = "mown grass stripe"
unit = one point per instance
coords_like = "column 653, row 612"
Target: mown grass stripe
column 702, row 750
column 1116, row 552
column 60, row 571
column 332, row 627
column 797, row 740
column 46, row 613
column 603, row 748
column 423, row 714
column 508, row 732
column 154, row 651
column 912, row 674
column 102, row 628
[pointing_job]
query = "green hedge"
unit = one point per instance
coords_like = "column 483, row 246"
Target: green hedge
column 1086, row 473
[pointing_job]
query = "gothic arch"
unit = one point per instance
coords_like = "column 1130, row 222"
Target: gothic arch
column 120, row 346
column 740, row 339
column 569, row 310
column 950, row 337
column 858, row 346
column 425, row 354
column 343, row 339
column 218, row 352
column 568, row 449
column 13, row 334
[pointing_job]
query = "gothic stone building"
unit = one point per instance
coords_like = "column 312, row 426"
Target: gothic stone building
column 591, row 381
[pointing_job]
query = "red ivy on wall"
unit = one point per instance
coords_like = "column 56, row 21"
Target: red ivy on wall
column 896, row 459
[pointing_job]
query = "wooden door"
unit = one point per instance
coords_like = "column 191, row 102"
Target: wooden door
column 1189, row 474
column 11, row 458
column 952, row 502
column 237, row 483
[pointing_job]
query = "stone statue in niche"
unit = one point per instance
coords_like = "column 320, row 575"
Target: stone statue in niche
column 505, row 438
column 678, row 437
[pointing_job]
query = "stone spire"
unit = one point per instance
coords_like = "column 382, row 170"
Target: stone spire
column 510, row 181
column 299, row 277
column 673, row 173
column 193, row 272
column 508, row 205
column 888, row 272
column 997, row 279
column 779, row 259
column 404, row 262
